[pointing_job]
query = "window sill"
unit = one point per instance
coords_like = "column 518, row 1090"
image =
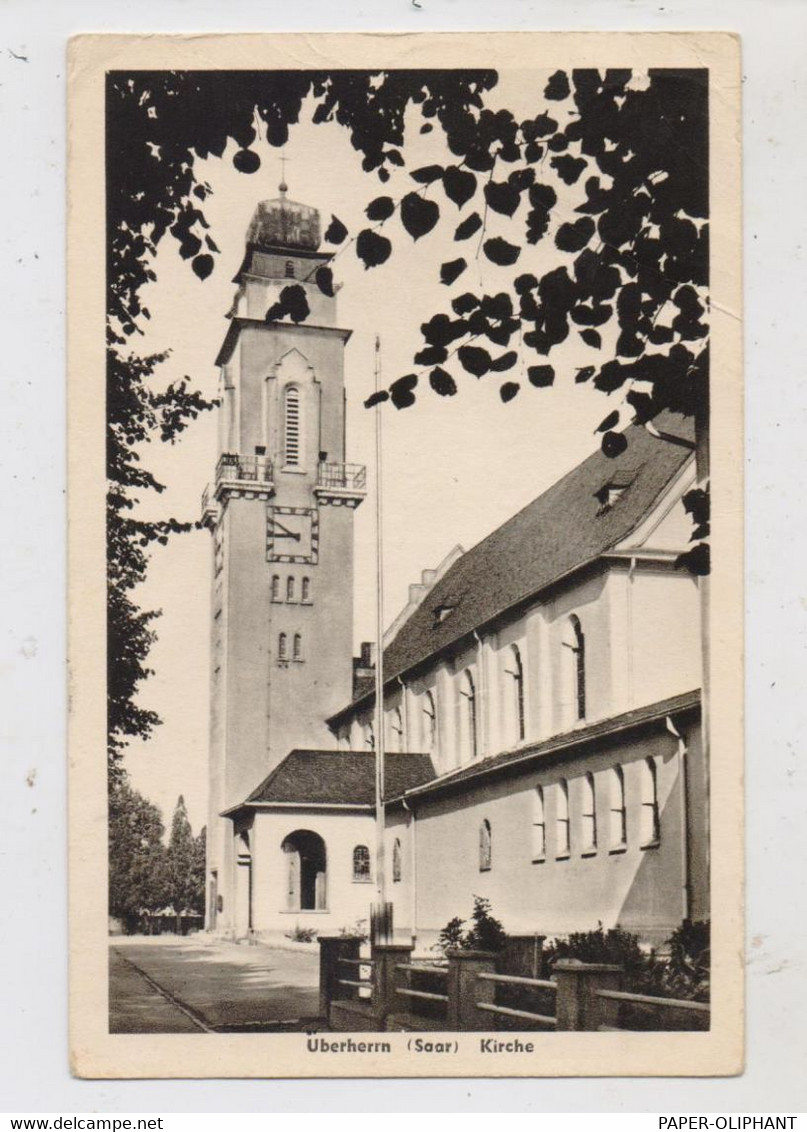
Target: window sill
column 362, row 880
column 484, row 869
column 563, row 857
column 617, row 849
column 589, row 853
column 303, row 911
column 651, row 844
column 293, row 469
column 539, row 860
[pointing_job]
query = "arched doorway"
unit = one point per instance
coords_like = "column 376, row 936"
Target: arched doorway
column 306, row 871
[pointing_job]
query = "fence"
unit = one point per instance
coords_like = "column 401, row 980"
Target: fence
column 389, row 990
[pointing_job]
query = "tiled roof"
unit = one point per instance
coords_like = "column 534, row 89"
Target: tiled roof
column 560, row 531
column 558, row 745
column 340, row 778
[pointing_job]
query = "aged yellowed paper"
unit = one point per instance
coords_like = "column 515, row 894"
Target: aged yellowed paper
column 405, row 555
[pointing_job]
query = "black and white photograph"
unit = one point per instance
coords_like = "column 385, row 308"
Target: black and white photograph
column 407, row 420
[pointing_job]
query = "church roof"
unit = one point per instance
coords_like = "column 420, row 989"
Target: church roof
column 557, row 746
column 284, row 223
column 564, row 529
column 339, row 778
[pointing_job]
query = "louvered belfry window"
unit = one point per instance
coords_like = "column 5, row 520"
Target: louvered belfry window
column 292, row 427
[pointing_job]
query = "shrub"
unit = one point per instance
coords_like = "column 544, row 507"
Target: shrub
column 302, row 935
column 486, row 933
column 359, row 930
column 599, row 946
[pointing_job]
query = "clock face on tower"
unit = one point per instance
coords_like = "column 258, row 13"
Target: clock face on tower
column 292, row 534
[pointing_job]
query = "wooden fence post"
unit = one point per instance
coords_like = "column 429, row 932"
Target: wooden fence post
column 578, row 1005
column 465, row 990
column 386, row 957
column 332, row 948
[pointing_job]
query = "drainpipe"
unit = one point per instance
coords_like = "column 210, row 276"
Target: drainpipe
column 685, row 840
column 414, row 860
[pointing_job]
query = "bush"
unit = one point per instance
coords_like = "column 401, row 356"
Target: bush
column 302, row 935
column 359, row 930
column 486, row 933
column 599, row 946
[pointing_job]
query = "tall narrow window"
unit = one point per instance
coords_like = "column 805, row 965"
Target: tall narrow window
column 306, row 592
column 429, row 722
column 575, row 666
column 289, row 268
column 396, row 730
column 361, row 863
column 297, row 647
column 619, row 825
column 589, row 815
column 538, row 825
column 396, row 861
column 275, row 587
column 650, row 829
column 563, row 842
column 467, row 712
column 485, row 847
column 282, row 647
column 291, row 431
column 515, row 674
column 290, row 589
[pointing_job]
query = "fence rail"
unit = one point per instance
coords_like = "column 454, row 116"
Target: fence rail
column 233, row 466
column 342, row 477
column 652, row 1000
column 518, row 980
column 511, row 1012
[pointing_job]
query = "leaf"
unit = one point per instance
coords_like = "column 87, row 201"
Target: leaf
column 500, row 251
column 522, row 179
column 452, row 270
column 469, row 225
column 591, row 338
column 372, row 248
column 465, row 303
column 427, row 174
column 509, row 390
column 504, row 362
column 418, row 216
column 543, row 196
column 324, row 280
column 336, row 231
column 498, row 306
column 442, row 382
column 401, row 391
column 431, row 355
column 525, row 283
column 541, row 375
column 584, row 374
column 474, row 359
column 292, row 303
column 574, row 237
column 502, row 197
column 695, row 560
column 558, row 87
column 376, row 398
column 246, row 161
column 609, row 422
column 202, row 265
column 614, row 444
column 380, row 209
column 459, row 185
column 569, row 168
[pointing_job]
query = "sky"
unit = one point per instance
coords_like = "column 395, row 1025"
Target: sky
column 453, row 468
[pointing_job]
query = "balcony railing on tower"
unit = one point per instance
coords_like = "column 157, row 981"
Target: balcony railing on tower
column 232, row 466
column 342, row 477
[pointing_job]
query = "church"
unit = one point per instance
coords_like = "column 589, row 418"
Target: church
column 541, row 691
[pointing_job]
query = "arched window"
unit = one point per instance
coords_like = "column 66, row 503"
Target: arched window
column 297, row 647
column 289, row 268
column 619, row 825
column 291, row 427
column 289, row 588
column 650, row 828
column 563, row 841
column 282, row 647
column 538, row 825
column 467, row 714
column 429, row 722
column 515, row 673
column 306, row 592
column 485, row 847
column 396, row 730
column 361, row 864
column 275, row 587
column 589, row 815
column 396, row 861
column 575, row 666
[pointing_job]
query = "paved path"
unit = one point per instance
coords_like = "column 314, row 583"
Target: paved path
column 220, row 985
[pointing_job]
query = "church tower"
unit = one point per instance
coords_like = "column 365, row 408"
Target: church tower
column 280, row 511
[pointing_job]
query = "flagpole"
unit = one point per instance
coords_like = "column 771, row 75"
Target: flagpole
column 379, row 658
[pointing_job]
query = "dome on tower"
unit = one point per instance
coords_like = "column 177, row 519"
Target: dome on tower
column 284, row 223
